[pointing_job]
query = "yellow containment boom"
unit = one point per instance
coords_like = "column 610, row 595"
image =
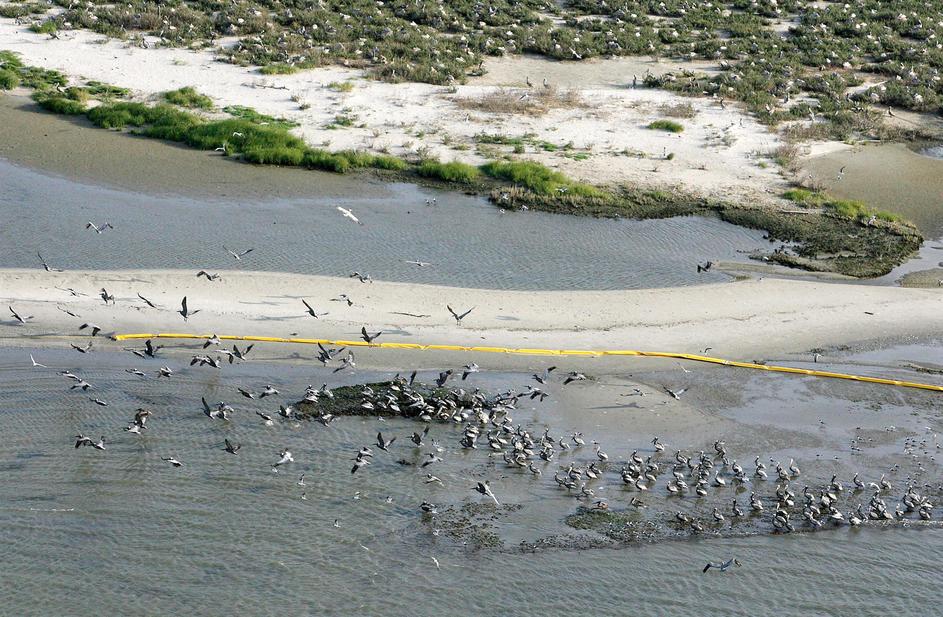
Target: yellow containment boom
column 548, row 352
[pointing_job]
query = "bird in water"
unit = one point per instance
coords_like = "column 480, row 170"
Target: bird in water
column 723, row 566
column 172, row 461
column 485, row 489
column 232, row 448
column 286, row 458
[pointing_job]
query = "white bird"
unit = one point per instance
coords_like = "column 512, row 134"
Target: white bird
column 236, row 256
column 172, row 461
column 35, row 363
column 348, row 214
column 98, row 229
column 286, row 458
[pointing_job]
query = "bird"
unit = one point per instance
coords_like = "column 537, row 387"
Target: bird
column 172, row 461
column 348, row 214
column 98, row 228
column 17, row 316
column 213, row 340
column 574, row 376
column 367, row 337
column 147, row 302
column 237, row 256
column 545, row 377
column 469, row 369
column 105, row 296
column 95, row 329
column 458, row 317
column 185, row 312
column 266, row 419
column 46, row 266
column 675, row 394
column 67, row 312
column 286, row 458
column 311, row 311
column 363, row 278
column 246, row 393
column 343, row 298
column 706, row 267
column 35, row 363
column 164, row 371
column 232, row 448
column 269, row 390
column 421, row 264
column 98, row 401
column 85, row 349
column 209, row 276
column 485, row 489
column 723, row 566
column 384, row 444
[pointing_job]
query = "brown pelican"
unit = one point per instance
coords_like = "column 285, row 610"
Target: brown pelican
column 459, row 317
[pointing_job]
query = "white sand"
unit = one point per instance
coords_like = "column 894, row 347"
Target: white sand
column 719, row 154
column 766, row 318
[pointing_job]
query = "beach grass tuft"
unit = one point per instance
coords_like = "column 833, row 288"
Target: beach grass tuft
column 449, row 172
column 188, row 97
column 666, row 125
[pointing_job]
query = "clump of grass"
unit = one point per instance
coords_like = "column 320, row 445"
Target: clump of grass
column 341, row 86
column 59, row 104
column 106, row 91
column 506, row 140
column 677, row 110
column 46, row 27
column 278, row 69
column 538, row 178
column 844, row 208
column 8, row 79
column 188, row 97
column 805, row 197
column 251, row 115
column 450, row 172
column 532, row 102
column 787, row 157
column 666, row 125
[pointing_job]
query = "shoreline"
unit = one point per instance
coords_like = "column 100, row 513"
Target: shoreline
column 778, row 318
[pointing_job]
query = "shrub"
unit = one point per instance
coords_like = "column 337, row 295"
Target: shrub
column 60, row 104
column 666, row 125
column 188, row 97
column 341, row 86
column 47, row 27
column 537, row 178
column 278, row 69
column 450, row 172
column 8, row 79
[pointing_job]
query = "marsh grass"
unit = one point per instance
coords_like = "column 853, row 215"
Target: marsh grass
column 843, row 208
column 188, row 97
column 449, row 172
column 251, row 115
column 8, row 79
column 533, row 102
column 666, row 125
column 538, row 178
column 677, row 110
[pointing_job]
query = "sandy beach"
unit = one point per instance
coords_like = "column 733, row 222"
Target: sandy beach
column 765, row 318
column 722, row 153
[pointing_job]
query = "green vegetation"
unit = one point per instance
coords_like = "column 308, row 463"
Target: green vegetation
column 251, row 115
column 449, row 172
column 666, row 125
column 8, row 79
column 341, row 86
column 46, row 27
column 188, row 97
column 844, row 208
column 59, row 104
column 31, row 77
column 538, row 178
column 279, row 69
column 106, row 91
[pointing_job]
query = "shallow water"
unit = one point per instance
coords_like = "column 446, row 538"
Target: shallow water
column 121, row 532
column 469, row 242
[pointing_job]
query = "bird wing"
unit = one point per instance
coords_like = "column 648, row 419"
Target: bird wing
column 308, row 306
column 463, row 315
column 183, row 305
column 452, row 311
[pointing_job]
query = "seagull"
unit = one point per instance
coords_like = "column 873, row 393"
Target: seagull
column 172, row 461
column 543, row 379
column 311, row 311
column 98, row 401
column 134, row 371
column 232, row 448
column 71, row 291
column 363, row 278
column 164, row 371
column 286, row 458
column 421, row 264
column 46, row 266
column 98, row 229
column 343, row 298
column 82, row 440
column 213, row 340
column 184, row 311
column 675, row 394
column 147, row 302
column 67, row 312
column 209, row 276
column 17, row 317
column 346, row 362
column 485, row 489
column 574, row 376
column 383, row 444
column 367, row 337
column 150, row 350
column 348, row 214
column 723, row 567
column 458, row 318
column 106, row 297
column 95, row 329
column 469, row 369
column 204, row 360
column 268, row 391
column 266, row 419
column 35, row 363
column 85, row 349
column 237, row 256
column 81, row 383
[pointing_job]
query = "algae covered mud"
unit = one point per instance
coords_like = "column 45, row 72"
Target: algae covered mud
column 225, row 532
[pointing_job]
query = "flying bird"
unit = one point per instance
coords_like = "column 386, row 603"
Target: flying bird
column 348, row 214
column 17, row 316
column 367, row 337
column 98, row 229
column 459, row 317
column 209, row 276
column 35, row 363
column 237, row 256
column 46, row 266
column 95, row 329
column 147, row 302
column 311, row 311
column 724, row 566
column 186, row 312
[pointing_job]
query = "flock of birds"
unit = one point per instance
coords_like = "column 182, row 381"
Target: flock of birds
column 706, row 486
